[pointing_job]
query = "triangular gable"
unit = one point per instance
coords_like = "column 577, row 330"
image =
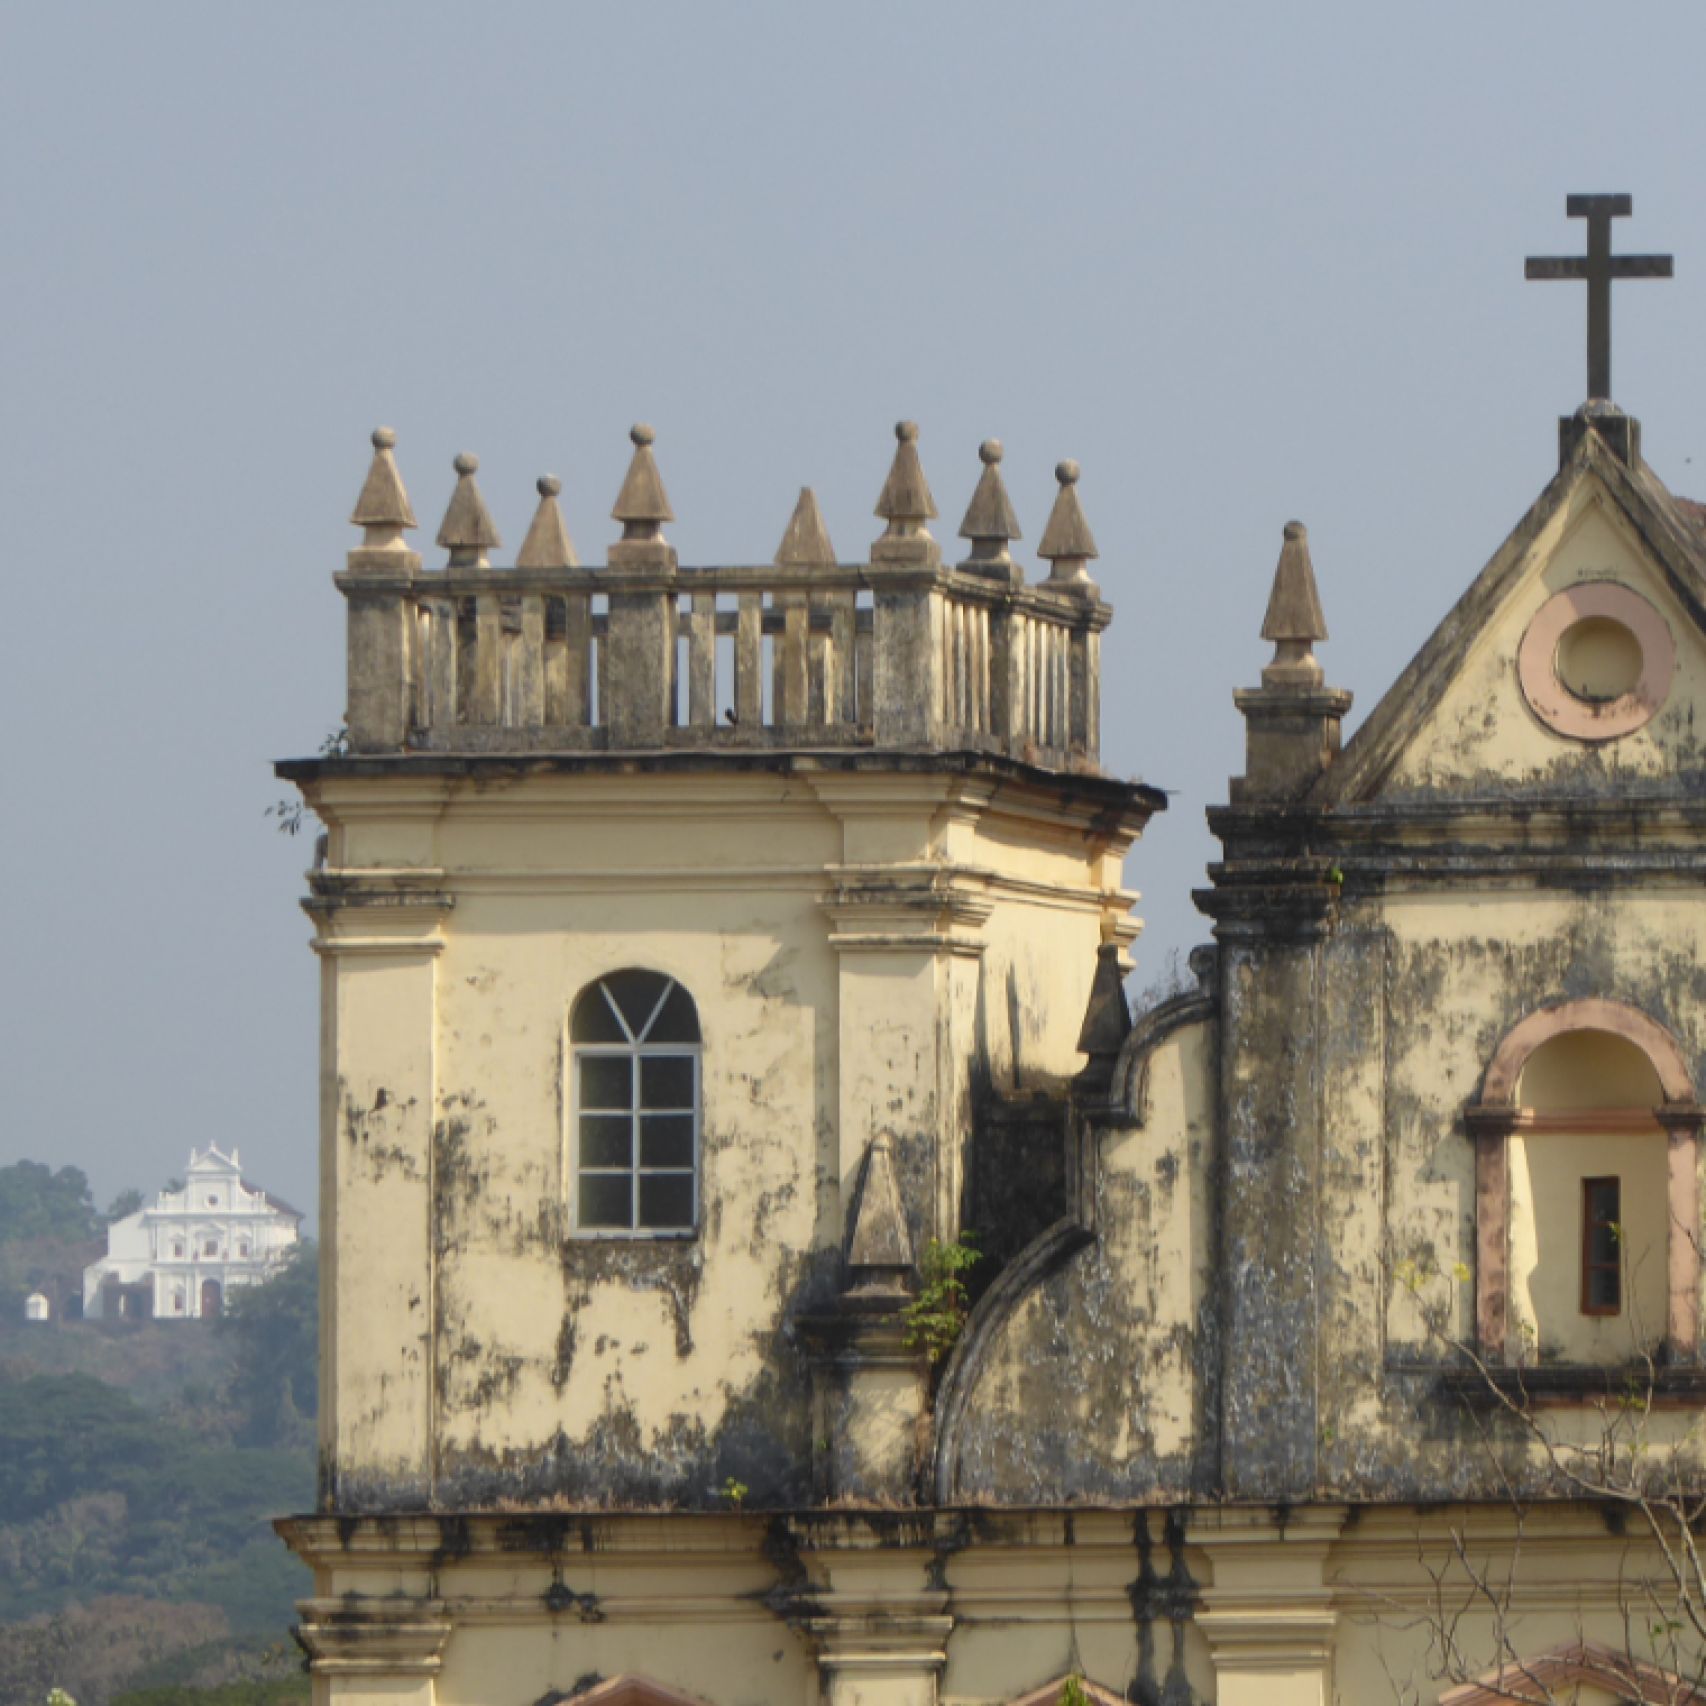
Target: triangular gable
column 1594, row 487
column 212, row 1160
column 1050, row 1692
column 627, row 1689
column 1581, row 1663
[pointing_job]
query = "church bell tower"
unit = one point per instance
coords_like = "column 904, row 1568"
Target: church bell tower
column 672, row 923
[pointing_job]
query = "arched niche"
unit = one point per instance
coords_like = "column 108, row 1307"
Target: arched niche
column 1587, row 1135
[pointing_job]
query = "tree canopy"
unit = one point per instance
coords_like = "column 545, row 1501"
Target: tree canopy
column 37, row 1202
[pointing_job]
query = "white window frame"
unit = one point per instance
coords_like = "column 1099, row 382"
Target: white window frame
column 635, row 1051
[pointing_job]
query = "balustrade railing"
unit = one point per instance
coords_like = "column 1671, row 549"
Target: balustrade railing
column 641, row 654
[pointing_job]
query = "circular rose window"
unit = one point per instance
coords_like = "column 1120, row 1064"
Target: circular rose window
column 1596, row 661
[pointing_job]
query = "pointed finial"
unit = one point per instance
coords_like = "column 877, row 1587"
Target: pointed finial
column 1294, row 620
column 1107, row 1019
column 990, row 522
column 806, row 543
column 1067, row 542
column 548, row 545
column 906, row 504
column 467, row 531
column 383, row 509
column 879, row 1250
column 642, row 506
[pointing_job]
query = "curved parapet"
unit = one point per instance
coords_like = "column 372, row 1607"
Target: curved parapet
column 1080, row 1373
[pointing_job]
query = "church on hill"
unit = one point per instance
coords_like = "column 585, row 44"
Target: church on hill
column 179, row 1257
column 765, row 1259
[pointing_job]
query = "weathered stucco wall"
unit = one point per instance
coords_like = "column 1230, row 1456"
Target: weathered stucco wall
column 1095, row 1387
column 870, row 954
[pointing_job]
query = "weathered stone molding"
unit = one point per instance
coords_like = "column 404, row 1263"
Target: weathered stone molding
column 366, row 1636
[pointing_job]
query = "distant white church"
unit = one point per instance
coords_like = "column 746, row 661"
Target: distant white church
column 177, row 1259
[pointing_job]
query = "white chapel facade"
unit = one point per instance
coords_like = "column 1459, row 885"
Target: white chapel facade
column 179, row 1257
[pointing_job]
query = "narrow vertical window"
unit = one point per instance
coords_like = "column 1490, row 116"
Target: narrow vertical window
column 636, row 1099
column 1602, row 1267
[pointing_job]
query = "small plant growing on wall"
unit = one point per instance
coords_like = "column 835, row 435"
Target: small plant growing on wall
column 936, row 1317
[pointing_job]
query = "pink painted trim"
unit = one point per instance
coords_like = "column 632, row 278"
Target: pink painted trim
column 1682, row 1325
column 1537, row 662
column 1498, row 1088
column 1494, row 1115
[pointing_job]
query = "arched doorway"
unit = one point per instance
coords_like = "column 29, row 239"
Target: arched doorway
column 212, row 1299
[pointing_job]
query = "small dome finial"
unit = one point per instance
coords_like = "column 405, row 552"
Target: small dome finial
column 467, row 531
column 383, row 510
column 1067, row 543
column 642, row 505
column 906, row 505
column 547, row 545
column 990, row 523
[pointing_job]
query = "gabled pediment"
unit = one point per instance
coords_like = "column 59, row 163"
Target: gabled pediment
column 1052, row 1693
column 1607, row 567
column 1577, row 1668
column 627, row 1689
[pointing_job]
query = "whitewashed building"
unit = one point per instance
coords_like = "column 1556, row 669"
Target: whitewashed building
column 177, row 1258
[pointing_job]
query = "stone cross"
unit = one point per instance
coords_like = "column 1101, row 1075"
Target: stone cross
column 1599, row 267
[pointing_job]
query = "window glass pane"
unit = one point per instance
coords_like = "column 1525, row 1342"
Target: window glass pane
column 606, row 1200
column 666, row 1140
column 666, row 1081
column 1603, row 1289
column 678, row 1022
column 666, row 1201
column 607, row 1140
column 1602, row 1246
column 636, row 993
column 607, row 1081
column 592, row 1020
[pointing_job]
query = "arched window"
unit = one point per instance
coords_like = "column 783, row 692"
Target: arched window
column 635, row 1036
column 1587, row 1203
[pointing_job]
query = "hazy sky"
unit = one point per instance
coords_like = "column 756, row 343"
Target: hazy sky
column 1244, row 262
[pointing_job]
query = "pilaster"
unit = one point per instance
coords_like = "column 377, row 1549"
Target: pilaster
column 366, row 1649
column 906, row 922
column 1268, row 1617
column 379, row 935
column 879, row 1634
